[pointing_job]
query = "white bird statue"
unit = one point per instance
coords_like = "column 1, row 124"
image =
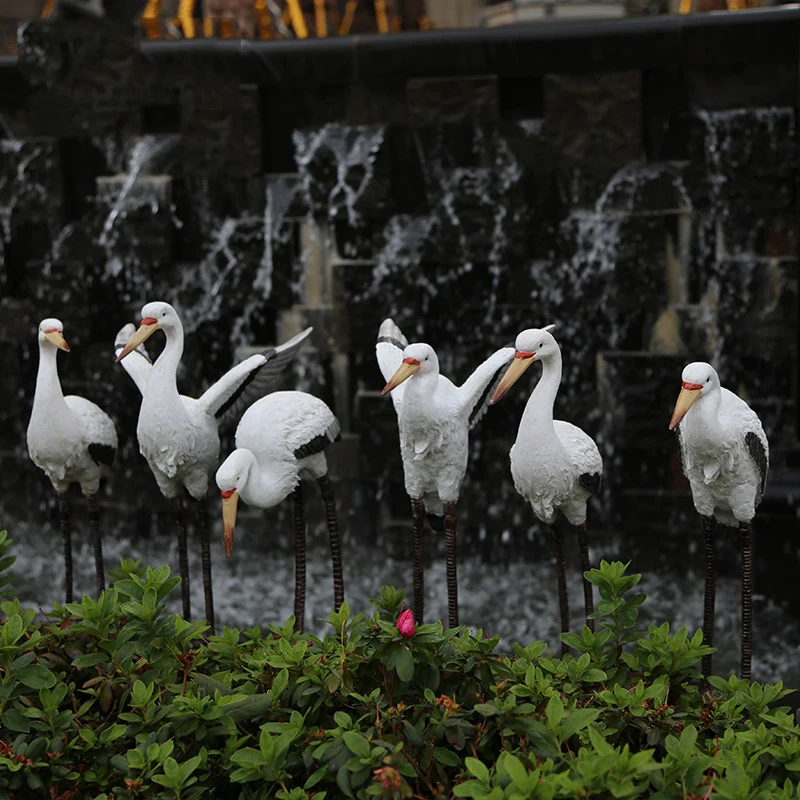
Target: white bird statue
column 73, row 441
column 278, row 438
column 434, row 417
column 178, row 435
column 725, row 456
column 555, row 465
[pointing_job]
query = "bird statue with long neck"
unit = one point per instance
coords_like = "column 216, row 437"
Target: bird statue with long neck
column 434, row 417
column 725, row 456
column 555, row 465
column 279, row 438
column 73, row 441
column 179, row 435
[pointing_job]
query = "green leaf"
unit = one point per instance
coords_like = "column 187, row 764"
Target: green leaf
column 342, row 720
column 555, row 712
column 356, row 744
column 576, row 721
column 404, row 664
column 478, row 769
column 15, row 721
column 470, row 789
column 35, row 676
column 515, row 769
column 446, row 757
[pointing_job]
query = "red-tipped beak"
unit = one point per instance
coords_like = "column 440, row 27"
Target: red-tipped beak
column 522, row 360
column 55, row 336
column 689, row 393
column 148, row 327
column 404, row 372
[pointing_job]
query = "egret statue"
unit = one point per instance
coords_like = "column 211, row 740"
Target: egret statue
column 434, row 417
column 73, row 441
column 178, row 435
column 555, row 465
column 279, row 437
column 725, row 456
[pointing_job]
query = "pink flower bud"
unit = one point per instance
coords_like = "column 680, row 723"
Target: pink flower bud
column 405, row 624
column 389, row 778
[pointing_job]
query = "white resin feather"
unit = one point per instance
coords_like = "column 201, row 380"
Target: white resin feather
column 278, row 438
column 724, row 450
column 435, row 416
column 70, row 438
column 178, row 435
column 555, row 465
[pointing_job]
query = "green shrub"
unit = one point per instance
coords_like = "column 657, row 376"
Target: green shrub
column 115, row 697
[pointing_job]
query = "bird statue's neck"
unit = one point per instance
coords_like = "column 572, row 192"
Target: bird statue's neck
column 165, row 368
column 539, row 408
column 422, row 387
column 266, row 486
column 705, row 413
column 48, row 391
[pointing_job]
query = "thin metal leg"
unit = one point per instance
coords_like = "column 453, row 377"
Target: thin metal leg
column 97, row 542
column 452, row 577
column 299, row 558
column 746, row 544
column 417, row 542
column 588, row 597
column 66, row 533
column 205, row 556
column 183, row 555
column 563, row 600
column 710, row 536
column 336, row 544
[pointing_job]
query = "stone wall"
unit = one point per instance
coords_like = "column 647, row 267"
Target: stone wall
column 641, row 198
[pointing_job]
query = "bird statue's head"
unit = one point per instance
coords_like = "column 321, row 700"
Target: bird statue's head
column 417, row 358
column 533, row 344
column 697, row 380
column 51, row 331
column 231, row 477
column 155, row 316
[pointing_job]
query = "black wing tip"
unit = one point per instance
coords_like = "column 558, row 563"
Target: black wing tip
column 102, row 454
column 483, row 401
column 591, row 481
column 436, row 521
column 759, row 454
column 391, row 340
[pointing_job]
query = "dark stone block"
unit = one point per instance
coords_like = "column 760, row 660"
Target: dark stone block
column 750, row 158
column 743, row 85
column 594, row 119
column 448, row 101
column 637, row 395
column 383, row 104
column 665, row 114
column 758, row 301
column 521, row 98
column 223, row 138
column 60, row 58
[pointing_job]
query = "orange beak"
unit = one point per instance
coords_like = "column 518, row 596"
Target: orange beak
column 148, row 327
column 404, row 372
column 230, row 499
column 57, row 338
column 689, row 393
column 522, row 360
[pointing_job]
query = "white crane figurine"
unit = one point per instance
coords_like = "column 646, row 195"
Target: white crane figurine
column 178, row 435
column 434, row 418
column 725, row 456
column 279, row 437
column 73, row 441
column 555, row 465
